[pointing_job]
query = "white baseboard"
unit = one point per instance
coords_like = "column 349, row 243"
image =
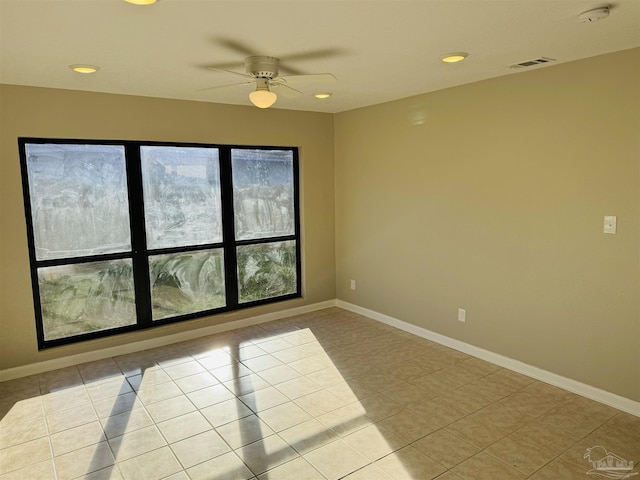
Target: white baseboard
column 71, row 360
column 593, row 393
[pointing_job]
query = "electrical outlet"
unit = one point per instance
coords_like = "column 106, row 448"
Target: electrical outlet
column 353, row 284
column 462, row 315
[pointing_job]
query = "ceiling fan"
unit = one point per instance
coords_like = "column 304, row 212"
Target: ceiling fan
column 263, row 71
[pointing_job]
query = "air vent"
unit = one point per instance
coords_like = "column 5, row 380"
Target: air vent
column 531, row 63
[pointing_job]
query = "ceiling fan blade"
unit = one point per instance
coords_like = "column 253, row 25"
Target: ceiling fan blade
column 324, row 53
column 312, row 55
column 289, row 70
column 236, row 46
column 227, row 86
column 222, row 66
column 307, row 79
column 247, row 51
column 215, row 69
column 285, row 90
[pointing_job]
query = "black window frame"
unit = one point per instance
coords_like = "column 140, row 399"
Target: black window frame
column 140, row 254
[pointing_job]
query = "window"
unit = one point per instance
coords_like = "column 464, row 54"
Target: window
column 127, row 235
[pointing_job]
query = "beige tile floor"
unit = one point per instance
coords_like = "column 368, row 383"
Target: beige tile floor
column 325, row 395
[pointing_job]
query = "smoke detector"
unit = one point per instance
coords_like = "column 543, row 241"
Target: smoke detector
column 594, row 14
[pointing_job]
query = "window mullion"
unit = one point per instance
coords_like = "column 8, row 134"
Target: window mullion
column 296, row 207
column 31, row 244
column 228, row 229
column 138, row 235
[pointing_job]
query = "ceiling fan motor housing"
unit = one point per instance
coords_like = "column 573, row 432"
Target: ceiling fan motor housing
column 261, row 67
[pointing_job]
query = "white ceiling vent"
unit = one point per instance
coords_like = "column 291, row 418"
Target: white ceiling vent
column 531, row 63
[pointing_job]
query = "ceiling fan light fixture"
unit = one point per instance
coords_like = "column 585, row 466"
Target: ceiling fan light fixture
column 323, row 95
column 454, row 57
column 263, row 98
column 83, row 68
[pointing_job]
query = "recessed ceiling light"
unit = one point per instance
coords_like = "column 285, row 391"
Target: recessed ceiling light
column 84, row 68
column 454, row 57
column 323, row 95
column 141, row 2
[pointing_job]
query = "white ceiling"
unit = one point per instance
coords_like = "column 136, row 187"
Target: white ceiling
column 378, row 50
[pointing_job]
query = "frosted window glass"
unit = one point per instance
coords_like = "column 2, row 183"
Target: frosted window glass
column 189, row 282
column 181, row 196
column 266, row 270
column 79, row 202
column 86, row 297
column 263, row 193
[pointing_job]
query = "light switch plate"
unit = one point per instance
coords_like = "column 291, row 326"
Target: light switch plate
column 610, row 224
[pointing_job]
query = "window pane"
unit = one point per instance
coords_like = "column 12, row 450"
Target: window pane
column 86, row 297
column 78, row 200
column 183, row 283
column 263, row 193
column 266, row 270
column 181, row 196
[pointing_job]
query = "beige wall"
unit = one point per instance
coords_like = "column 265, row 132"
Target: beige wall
column 491, row 197
column 37, row 112
column 488, row 197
